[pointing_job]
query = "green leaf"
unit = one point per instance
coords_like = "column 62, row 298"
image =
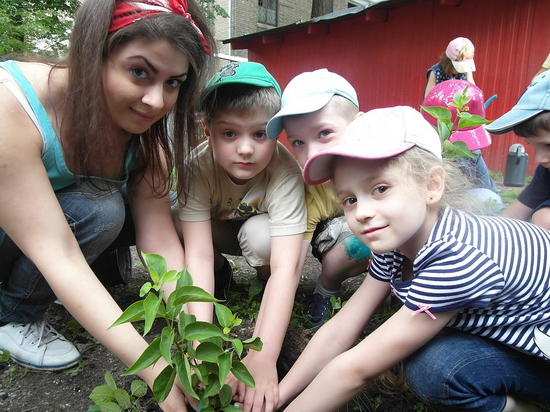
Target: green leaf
column 471, row 120
column 185, row 279
column 253, row 343
column 241, row 373
column 224, row 362
column 156, row 265
column 110, row 407
column 212, row 389
column 255, row 289
column 102, row 394
column 202, row 330
column 208, row 352
column 170, row 276
column 226, row 394
column 93, row 408
column 184, row 320
column 238, row 345
column 163, row 383
column 145, row 289
column 184, row 373
column 109, row 380
column 123, row 398
column 133, row 313
column 438, row 112
column 147, row 358
column 138, row 388
column 150, row 305
column 187, row 294
column 224, row 315
column 456, row 150
column 230, row 408
column 166, row 340
column 202, row 372
column 443, row 130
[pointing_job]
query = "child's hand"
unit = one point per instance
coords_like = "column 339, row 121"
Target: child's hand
column 265, row 396
column 175, row 402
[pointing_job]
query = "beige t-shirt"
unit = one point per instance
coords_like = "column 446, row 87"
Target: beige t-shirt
column 278, row 190
column 546, row 63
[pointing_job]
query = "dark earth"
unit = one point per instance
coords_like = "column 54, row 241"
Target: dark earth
column 25, row 390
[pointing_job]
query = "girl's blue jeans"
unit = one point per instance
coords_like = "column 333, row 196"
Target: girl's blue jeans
column 95, row 217
column 471, row 373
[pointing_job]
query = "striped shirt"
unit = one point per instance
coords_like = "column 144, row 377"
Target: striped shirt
column 494, row 271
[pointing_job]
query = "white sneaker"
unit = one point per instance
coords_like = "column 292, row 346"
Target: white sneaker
column 37, row 346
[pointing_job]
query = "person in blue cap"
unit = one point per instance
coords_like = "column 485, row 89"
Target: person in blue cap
column 530, row 119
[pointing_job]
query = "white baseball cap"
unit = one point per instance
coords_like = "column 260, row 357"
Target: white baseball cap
column 307, row 93
column 377, row 134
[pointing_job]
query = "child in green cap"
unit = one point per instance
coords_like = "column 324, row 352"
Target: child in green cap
column 246, row 198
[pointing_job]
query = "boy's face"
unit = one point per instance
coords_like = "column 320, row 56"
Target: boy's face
column 240, row 143
column 312, row 132
column 541, row 144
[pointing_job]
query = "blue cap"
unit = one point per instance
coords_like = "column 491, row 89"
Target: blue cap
column 534, row 100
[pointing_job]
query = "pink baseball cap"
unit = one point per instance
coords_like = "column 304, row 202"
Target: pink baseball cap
column 377, row 134
column 442, row 95
column 456, row 51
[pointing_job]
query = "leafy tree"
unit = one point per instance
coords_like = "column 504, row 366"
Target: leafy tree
column 321, row 7
column 32, row 26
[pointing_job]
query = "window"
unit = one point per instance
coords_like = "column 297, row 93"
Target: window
column 267, row 12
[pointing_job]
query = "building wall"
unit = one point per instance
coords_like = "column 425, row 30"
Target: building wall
column 244, row 19
column 386, row 61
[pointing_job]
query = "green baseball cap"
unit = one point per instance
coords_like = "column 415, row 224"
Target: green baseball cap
column 240, row 73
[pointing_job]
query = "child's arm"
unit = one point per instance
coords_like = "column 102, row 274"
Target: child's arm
column 199, row 258
column 517, row 210
column 430, row 84
column 470, row 77
column 303, row 255
column 336, row 336
column 272, row 322
column 392, row 342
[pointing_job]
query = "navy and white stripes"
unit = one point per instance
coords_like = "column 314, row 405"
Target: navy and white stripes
column 494, row 271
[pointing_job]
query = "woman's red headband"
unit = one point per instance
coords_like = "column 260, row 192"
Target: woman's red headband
column 130, row 11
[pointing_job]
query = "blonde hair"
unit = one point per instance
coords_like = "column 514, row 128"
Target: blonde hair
column 417, row 164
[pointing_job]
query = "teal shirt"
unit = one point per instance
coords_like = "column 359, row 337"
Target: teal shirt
column 52, row 158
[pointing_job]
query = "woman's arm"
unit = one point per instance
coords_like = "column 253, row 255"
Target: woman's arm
column 517, row 210
column 430, row 84
column 470, row 77
column 396, row 339
column 199, row 258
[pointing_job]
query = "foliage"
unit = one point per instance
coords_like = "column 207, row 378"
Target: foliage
column 212, row 9
column 110, row 398
column 446, row 126
column 33, row 26
column 203, row 370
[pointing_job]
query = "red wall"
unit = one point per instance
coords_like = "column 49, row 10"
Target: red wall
column 386, row 61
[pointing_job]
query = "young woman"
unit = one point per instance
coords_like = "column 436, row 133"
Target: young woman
column 474, row 325
column 72, row 134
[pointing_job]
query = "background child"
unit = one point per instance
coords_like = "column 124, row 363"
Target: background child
column 456, row 63
column 530, row 119
column 247, row 198
column 316, row 109
column 483, row 279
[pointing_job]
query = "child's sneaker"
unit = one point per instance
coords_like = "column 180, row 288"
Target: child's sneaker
column 318, row 309
column 37, row 346
column 223, row 279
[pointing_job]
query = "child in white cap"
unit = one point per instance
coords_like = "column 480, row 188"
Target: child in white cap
column 316, row 108
column 474, row 325
column 456, row 63
column 530, row 119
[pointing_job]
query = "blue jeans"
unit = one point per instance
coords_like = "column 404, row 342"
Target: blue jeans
column 95, row 218
column 471, row 373
column 477, row 171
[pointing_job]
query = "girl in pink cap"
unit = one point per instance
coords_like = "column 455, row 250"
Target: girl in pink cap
column 456, row 63
column 76, row 132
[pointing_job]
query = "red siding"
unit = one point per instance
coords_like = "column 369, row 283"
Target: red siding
column 387, row 61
